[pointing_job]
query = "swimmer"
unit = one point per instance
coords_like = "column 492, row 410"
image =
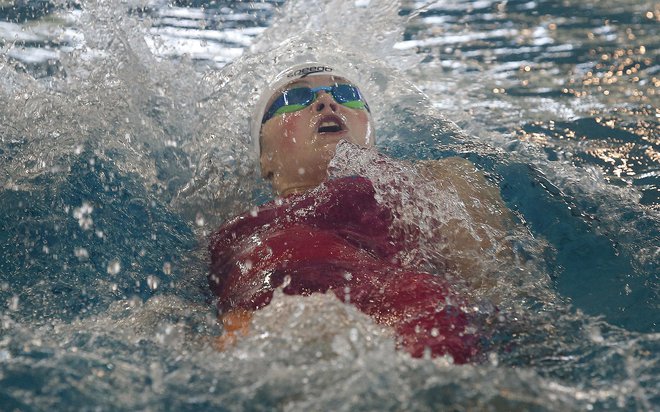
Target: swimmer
column 324, row 235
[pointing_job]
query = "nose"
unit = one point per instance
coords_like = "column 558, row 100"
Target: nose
column 325, row 100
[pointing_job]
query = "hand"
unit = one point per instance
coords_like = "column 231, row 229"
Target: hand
column 235, row 323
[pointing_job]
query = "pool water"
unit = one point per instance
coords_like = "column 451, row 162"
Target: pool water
column 124, row 145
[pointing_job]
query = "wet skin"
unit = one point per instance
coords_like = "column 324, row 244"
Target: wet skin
column 297, row 147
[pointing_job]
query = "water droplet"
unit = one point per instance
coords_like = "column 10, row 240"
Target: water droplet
column 114, row 267
column 81, row 253
column 13, row 303
column 153, row 282
column 595, row 334
column 353, row 335
column 83, row 214
column 167, row 268
column 427, row 353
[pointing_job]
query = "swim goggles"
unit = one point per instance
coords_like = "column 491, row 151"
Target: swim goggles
column 298, row 98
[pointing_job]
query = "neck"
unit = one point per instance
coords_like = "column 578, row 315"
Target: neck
column 285, row 187
column 295, row 190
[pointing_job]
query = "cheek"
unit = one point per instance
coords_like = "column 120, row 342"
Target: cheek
column 283, row 132
column 361, row 126
column 292, row 126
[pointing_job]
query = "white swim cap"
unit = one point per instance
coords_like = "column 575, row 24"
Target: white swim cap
column 282, row 79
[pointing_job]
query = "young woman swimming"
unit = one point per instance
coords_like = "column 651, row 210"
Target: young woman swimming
column 323, row 235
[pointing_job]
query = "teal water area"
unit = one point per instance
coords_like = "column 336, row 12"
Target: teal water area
column 122, row 147
column 65, row 256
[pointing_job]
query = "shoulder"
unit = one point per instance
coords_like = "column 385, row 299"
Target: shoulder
column 480, row 196
column 450, row 167
column 457, row 173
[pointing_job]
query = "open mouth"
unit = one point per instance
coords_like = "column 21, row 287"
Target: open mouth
column 330, row 124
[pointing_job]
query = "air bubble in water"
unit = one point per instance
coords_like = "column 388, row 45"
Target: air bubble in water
column 114, row 267
column 493, row 359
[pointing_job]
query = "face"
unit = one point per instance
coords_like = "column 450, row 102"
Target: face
column 296, row 147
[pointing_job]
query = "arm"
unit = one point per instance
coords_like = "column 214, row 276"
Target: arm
column 234, row 323
column 490, row 219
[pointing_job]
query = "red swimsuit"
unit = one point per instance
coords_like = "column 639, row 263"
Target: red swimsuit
column 337, row 238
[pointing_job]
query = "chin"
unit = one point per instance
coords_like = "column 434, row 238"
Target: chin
column 333, row 136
